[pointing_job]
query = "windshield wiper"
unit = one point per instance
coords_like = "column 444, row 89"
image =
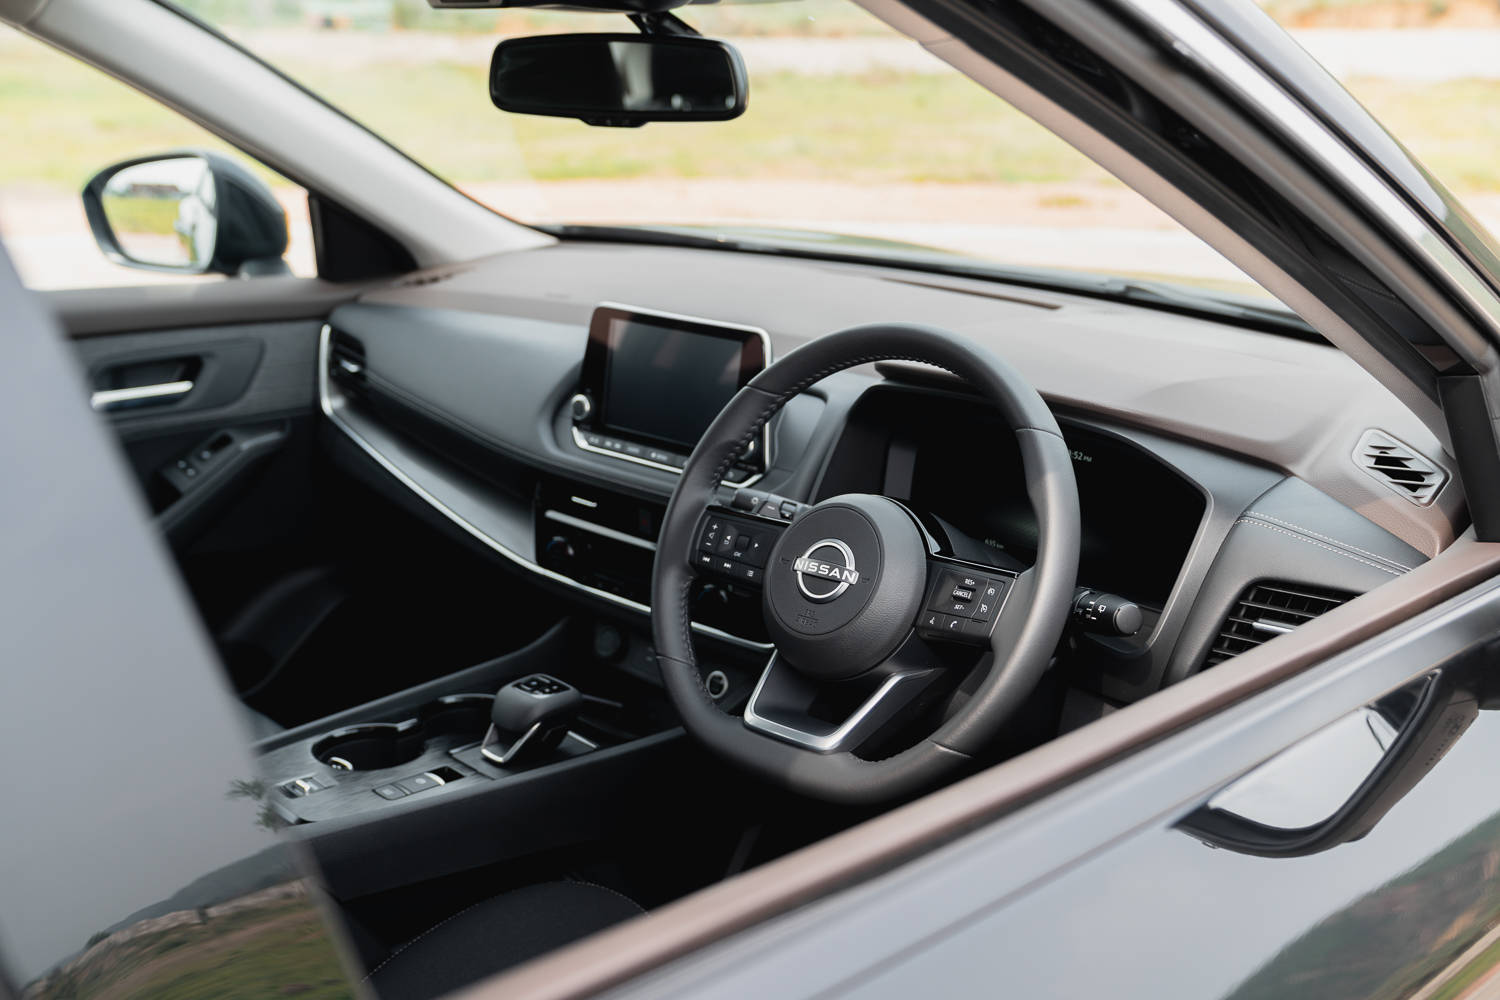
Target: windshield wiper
column 1160, row 295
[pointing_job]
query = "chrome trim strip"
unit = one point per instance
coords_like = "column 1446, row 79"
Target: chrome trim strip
column 1217, row 57
column 104, row 399
column 598, row 529
column 747, row 481
column 835, row 740
column 330, row 408
column 685, row 318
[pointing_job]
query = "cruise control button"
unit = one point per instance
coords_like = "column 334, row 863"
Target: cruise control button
column 989, row 599
column 962, row 594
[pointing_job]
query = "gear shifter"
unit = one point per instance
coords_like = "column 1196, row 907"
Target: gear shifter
column 529, row 715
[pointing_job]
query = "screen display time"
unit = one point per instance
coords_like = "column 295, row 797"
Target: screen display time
column 665, row 384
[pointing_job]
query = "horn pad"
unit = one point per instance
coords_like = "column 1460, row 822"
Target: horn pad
column 844, row 585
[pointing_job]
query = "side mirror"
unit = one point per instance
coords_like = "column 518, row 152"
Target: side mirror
column 619, row 79
column 188, row 212
column 1335, row 785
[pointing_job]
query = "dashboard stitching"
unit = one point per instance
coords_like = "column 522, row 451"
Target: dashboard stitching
column 1309, row 541
column 1309, row 531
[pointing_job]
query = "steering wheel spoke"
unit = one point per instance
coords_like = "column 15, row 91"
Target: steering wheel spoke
column 840, row 716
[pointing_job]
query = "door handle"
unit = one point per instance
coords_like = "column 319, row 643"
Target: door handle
column 140, row 395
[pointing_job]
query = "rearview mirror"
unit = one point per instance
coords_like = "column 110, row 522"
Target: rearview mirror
column 619, row 79
column 191, row 212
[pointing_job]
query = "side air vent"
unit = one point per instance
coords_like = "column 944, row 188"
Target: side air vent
column 1400, row 467
column 1268, row 609
column 427, row 278
column 346, row 360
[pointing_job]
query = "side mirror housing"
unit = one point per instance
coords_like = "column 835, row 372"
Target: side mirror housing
column 188, row 212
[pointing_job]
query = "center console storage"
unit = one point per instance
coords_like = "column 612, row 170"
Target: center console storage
column 436, row 740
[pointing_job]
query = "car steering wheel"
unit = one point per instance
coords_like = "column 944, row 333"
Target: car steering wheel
column 849, row 587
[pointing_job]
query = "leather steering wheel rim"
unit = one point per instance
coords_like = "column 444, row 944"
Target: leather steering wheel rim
column 1043, row 593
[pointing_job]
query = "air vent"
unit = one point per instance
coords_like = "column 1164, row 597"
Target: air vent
column 1399, row 466
column 1269, row 609
column 427, row 278
column 346, row 360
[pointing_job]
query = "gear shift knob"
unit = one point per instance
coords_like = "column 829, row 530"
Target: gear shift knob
column 530, row 713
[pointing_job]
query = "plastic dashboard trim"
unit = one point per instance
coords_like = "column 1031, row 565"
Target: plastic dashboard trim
column 331, row 409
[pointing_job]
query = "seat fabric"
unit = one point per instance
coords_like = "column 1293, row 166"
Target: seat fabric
column 495, row 934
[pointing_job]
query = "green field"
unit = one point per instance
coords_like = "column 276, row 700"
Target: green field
column 876, row 127
column 272, row 950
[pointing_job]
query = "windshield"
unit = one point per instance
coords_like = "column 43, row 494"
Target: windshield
column 852, row 130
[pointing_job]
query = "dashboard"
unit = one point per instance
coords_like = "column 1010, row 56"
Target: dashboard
column 544, row 401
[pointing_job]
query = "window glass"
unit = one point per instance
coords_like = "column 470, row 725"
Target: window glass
column 1427, row 70
column 854, row 137
column 65, row 121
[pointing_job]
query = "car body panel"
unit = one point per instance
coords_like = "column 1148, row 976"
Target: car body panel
column 134, row 820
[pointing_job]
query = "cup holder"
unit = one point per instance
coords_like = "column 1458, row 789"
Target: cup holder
column 460, row 718
column 457, row 715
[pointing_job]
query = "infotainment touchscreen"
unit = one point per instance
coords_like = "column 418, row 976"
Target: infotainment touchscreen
column 655, row 379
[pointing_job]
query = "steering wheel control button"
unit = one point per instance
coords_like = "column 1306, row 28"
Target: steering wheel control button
column 725, row 543
column 746, row 500
column 754, row 550
column 970, row 599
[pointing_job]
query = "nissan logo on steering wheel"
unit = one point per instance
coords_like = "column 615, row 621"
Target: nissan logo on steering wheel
column 823, row 579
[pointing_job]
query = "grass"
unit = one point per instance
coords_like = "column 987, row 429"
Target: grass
column 64, row 121
column 72, row 120
column 273, row 950
column 824, row 18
